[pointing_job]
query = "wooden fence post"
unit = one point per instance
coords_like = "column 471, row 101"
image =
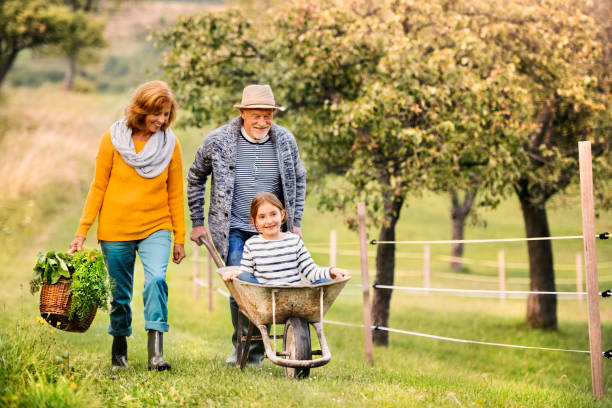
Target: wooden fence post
column 365, row 282
column 196, row 271
column 426, row 269
column 590, row 260
column 501, row 265
column 333, row 247
column 579, row 276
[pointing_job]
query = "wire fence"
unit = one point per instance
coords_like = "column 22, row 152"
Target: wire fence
column 435, row 337
column 452, row 339
column 605, row 293
column 603, row 235
column 457, row 291
column 483, row 293
column 446, row 258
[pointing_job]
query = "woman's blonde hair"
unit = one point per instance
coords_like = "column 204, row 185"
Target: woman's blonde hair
column 149, row 99
column 261, row 198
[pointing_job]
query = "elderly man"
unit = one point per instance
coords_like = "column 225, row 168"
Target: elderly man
column 247, row 156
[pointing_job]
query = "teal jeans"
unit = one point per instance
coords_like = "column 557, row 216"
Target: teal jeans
column 120, row 256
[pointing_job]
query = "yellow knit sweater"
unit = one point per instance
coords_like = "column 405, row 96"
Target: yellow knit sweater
column 131, row 207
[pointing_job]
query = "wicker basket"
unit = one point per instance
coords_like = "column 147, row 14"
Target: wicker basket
column 55, row 303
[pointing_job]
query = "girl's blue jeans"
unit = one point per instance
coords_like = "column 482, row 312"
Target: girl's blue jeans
column 237, row 238
column 250, row 278
column 120, row 256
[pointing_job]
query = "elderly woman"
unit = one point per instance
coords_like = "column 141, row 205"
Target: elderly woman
column 137, row 194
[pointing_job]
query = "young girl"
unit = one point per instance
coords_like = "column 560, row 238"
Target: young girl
column 274, row 257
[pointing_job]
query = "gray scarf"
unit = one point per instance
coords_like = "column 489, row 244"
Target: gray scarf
column 153, row 159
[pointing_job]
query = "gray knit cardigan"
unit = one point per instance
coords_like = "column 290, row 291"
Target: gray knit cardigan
column 217, row 157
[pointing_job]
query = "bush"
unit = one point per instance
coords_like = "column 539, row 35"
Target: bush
column 83, row 85
column 116, row 66
column 34, row 77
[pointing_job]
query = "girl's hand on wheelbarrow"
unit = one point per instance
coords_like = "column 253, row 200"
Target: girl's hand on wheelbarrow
column 338, row 273
column 228, row 275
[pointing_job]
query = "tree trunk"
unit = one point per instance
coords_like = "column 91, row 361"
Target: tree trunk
column 459, row 212
column 6, row 62
column 541, row 309
column 70, row 72
column 385, row 268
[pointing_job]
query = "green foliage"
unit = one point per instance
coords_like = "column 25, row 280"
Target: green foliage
column 400, row 96
column 90, row 287
column 85, row 32
column 69, row 28
column 27, row 24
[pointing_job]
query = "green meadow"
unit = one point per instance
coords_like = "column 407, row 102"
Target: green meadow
column 48, row 141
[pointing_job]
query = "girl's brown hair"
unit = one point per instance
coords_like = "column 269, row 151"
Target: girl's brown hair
column 261, row 198
column 150, row 99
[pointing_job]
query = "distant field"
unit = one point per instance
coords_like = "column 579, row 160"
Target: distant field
column 56, row 134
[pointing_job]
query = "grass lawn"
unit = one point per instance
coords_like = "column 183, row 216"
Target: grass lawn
column 42, row 367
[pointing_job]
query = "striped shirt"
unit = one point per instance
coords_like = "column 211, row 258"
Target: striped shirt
column 284, row 261
column 256, row 171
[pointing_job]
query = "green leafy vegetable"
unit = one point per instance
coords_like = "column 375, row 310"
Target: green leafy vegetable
column 49, row 268
column 90, row 286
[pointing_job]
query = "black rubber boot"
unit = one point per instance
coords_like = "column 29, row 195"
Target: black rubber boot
column 232, row 358
column 256, row 349
column 119, row 352
column 156, row 351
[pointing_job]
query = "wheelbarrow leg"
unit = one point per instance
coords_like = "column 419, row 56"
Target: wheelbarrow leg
column 239, row 343
column 243, row 356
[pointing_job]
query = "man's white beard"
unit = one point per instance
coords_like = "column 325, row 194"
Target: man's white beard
column 259, row 134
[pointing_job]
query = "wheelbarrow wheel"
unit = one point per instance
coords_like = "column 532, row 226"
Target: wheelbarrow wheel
column 296, row 342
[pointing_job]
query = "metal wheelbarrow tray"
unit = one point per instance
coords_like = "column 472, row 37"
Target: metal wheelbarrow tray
column 294, row 306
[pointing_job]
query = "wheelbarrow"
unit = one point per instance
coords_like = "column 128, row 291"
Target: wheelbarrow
column 296, row 307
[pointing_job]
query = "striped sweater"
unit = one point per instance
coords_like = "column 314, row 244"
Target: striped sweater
column 285, row 261
column 256, row 171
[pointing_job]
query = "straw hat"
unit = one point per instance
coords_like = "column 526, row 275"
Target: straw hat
column 258, row 97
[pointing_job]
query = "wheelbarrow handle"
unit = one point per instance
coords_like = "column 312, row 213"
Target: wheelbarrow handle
column 211, row 250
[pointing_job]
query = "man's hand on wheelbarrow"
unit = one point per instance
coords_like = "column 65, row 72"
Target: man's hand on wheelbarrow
column 201, row 236
column 338, row 273
column 197, row 233
column 228, row 275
